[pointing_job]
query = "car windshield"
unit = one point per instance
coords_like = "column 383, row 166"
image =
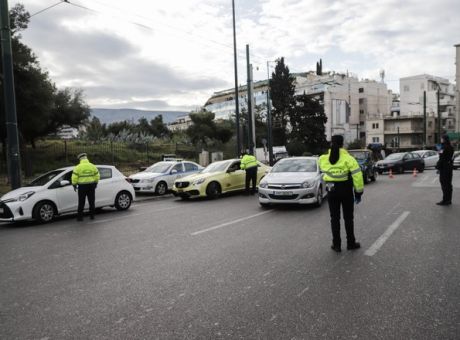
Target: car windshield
column 361, row 155
column 43, row 179
column 395, row 156
column 295, row 165
column 216, row 167
column 159, row 168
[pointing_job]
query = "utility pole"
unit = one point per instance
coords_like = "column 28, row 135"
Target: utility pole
column 398, row 140
column 424, row 119
column 237, row 95
column 439, row 115
column 269, row 119
column 13, row 154
column 250, row 99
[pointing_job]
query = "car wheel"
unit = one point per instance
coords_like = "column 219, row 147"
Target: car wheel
column 380, row 172
column 161, row 188
column 400, row 170
column 123, row 200
column 213, row 190
column 365, row 177
column 374, row 176
column 319, row 197
column 44, row 212
column 421, row 169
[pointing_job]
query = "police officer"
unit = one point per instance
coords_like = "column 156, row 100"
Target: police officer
column 445, row 168
column 249, row 164
column 342, row 173
column 85, row 177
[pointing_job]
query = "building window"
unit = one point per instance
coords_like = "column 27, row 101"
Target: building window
column 406, row 88
column 361, row 112
column 361, row 123
column 375, row 125
column 375, row 139
column 430, row 124
column 361, row 90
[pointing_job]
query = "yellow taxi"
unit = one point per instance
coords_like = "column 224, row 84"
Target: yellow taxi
column 217, row 178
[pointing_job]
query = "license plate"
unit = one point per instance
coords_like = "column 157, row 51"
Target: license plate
column 282, row 193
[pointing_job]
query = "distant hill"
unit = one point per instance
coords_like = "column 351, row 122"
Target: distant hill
column 117, row 115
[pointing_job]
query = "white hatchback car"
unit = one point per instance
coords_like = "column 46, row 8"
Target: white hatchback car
column 52, row 194
column 429, row 156
column 160, row 177
column 293, row 180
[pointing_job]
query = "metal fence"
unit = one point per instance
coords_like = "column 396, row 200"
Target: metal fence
column 128, row 157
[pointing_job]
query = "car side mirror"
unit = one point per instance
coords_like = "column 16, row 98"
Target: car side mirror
column 64, row 183
column 173, row 171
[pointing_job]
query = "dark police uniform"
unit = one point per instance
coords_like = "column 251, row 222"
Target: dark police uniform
column 445, row 167
column 85, row 177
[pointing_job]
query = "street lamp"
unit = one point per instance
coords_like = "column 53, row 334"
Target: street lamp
column 237, row 94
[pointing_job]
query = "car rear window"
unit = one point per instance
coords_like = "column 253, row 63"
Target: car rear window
column 105, row 173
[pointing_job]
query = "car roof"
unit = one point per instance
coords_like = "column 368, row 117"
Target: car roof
column 300, row 157
column 360, row 150
column 71, row 167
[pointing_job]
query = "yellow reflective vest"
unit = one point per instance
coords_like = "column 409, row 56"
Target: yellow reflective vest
column 248, row 161
column 85, row 173
column 340, row 171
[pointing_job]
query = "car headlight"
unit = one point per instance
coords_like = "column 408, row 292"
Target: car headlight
column 263, row 184
column 308, row 184
column 149, row 180
column 25, row 196
column 198, row 181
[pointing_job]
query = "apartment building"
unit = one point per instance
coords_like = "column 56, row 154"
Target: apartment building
column 180, row 123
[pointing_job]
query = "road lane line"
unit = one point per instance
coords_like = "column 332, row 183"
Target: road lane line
column 130, row 215
column 229, row 223
column 373, row 249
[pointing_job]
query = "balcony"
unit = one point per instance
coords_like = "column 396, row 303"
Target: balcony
column 403, row 131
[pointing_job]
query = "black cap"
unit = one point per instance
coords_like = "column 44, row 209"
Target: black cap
column 337, row 140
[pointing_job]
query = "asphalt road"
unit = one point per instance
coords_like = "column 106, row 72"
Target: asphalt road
column 226, row 268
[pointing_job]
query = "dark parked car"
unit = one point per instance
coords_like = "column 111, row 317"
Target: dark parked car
column 456, row 159
column 400, row 162
column 364, row 158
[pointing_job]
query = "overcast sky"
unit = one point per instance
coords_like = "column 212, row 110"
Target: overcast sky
column 172, row 55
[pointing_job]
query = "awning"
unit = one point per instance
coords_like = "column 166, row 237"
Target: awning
column 454, row 136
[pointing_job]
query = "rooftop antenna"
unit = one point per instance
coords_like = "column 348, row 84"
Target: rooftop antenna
column 382, row 76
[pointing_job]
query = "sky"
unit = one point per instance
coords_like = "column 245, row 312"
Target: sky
column 173, row 55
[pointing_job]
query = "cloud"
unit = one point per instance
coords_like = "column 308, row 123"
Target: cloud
column 178, row 53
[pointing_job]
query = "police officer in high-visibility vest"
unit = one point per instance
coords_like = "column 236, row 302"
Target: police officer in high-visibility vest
column 342, row 174
column 85, row 177
column 249, row 164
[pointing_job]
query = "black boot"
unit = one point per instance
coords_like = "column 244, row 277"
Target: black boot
column 337, row 249
column 354, row 246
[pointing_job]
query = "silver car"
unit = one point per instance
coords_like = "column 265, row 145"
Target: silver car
column 293, row 180
column 429, row 156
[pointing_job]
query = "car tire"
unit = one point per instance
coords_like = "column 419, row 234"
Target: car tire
column 365, row 177
column 44, row 212
column 213, row 190
column 161, row 188
column 319, row 197
column 265, row 205
column 374, row 176
column 400, row 170
column 123, row 200
column 421, row 169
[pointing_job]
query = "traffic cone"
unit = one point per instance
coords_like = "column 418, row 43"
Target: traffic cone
column 390, row 174
column 414, row 173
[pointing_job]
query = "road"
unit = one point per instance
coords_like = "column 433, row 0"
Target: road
column 226, row 268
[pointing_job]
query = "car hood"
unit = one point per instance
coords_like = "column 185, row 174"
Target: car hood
column 199, row 175
column 145, row 175
column 289, row 177
column 13, row 194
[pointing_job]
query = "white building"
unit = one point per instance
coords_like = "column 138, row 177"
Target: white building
column 411, row 105
column 67, row 132
column 180, row 124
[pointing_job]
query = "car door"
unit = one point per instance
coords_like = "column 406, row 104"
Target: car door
column 66, row 197
column 236, row 177
column 106, row 190
column 177, row 171
column 407, row 161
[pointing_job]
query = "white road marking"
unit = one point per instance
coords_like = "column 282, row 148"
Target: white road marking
column 130, row 215
column 229, row 223
column 373, row 249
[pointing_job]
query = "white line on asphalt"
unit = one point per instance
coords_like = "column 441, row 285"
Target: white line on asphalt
column 130, row 215
column 229, row 223
column 381, row 240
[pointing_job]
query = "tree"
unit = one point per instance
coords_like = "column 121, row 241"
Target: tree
column 308, row 126
column 204, row 131
column 282, row 90
column 159, row 128
column 95, row 131
column 41, row 108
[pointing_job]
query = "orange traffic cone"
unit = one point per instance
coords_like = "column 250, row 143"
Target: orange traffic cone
column 390, row 174
column 414, row 173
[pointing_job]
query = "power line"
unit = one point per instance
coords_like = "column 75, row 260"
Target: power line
column 47, row 8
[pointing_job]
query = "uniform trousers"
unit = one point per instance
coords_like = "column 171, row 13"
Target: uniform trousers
column 86, row 191
column 251, row 176
column 341, row 195
column 445, row 177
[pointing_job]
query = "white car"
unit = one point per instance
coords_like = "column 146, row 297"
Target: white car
column 429, row 156
column 293, row 180
column 160, row 177
column 52, row 194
